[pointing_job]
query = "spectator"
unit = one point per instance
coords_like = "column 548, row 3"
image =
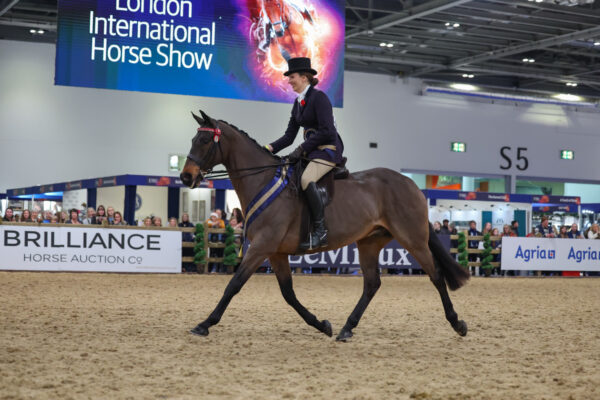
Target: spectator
column 437, row 227
column 48, row 217
column 63, row 217
column 545, row 229
column 9, row 215
column 453, row 242
column 118, row 219
column 508, row 231
column 157, row 221
column 215, row 222
column 74, row 217
column 187, row 237
column 487, row 228
column 594, row 232
column 17, row 218
column 185, row 223
column 563, row 233
column 172, row 222
column 446, row 227
column 26, row 217
column 54, row 219
column 473, row 244
column 35, row 216
column 110, row 215
column 237, row 219
column 535, row 232
column 147, row 221
column 220, row 215
column 514, row 226
column 575, row 233
column 90, row 217
column 100, row 215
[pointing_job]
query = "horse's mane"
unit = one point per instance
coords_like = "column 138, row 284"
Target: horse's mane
column 251, row 139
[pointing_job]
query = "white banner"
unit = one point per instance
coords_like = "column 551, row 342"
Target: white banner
column 542, row 254
column 73, row 248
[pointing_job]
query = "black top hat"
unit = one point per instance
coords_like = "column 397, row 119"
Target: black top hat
column 299, row 64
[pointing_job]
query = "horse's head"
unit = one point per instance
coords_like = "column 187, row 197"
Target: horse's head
column 275, row 11
column 205, row 152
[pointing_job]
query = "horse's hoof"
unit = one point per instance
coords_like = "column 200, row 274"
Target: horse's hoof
column 461, row 328
column 344, row 335
column 200, row 331
column 327, row 328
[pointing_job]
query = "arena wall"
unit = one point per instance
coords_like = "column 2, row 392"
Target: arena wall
column 52, row 133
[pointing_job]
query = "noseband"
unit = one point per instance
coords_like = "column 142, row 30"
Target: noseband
column 211, row 151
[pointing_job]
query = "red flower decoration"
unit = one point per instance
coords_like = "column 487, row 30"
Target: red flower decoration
column 302, row 102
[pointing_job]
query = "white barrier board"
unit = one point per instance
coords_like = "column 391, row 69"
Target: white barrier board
column 543, row 254
column 58, row 248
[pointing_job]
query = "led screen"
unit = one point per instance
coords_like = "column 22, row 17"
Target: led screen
column 228, row 48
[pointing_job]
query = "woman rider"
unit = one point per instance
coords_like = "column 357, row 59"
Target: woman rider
column 322, row 145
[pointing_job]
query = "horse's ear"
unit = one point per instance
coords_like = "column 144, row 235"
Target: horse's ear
column 198, row 119
column 208, row 120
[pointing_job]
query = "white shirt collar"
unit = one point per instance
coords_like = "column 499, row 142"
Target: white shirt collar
column 303, row 94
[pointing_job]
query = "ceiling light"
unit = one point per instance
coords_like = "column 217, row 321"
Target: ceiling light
column 470, row 76
column 463, row 86
column 390, row 45
column 456, row 25
column 573, row 84
column 32, row 31
column 596, row 43
column 382, row 44
column 529, row 60
column 447, row 24
column 567, row 97
column 40, row 31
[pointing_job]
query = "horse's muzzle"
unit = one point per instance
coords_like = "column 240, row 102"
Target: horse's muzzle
column 188, row 179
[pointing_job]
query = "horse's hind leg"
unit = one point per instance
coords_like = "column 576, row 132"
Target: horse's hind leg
column 281, row 266
column 431, row 267
column 368, row 250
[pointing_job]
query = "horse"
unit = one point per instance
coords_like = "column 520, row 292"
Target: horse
column 384, row 205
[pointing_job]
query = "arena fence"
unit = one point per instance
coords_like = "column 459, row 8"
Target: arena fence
column 454, row 250
column 208, row 233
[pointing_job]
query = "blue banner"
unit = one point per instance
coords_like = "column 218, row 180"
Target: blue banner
column 392, row 256
column 229, row 48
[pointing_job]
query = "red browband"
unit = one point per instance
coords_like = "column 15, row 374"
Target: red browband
column 216, row 131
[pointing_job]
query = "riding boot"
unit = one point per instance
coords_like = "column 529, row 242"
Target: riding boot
column 318, row 237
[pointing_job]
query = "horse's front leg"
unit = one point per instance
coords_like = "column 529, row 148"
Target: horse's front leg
column 250, row 263
column 281, row 266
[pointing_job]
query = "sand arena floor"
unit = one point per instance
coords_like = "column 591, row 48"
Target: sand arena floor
column 108, row 336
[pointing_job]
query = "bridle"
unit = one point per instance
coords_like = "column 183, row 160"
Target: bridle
column 208, row 158
column 211, row 151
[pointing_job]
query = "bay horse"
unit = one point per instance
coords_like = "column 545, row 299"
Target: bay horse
column 370, row 208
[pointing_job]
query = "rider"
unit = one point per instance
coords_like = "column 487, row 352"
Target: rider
column 322, row 144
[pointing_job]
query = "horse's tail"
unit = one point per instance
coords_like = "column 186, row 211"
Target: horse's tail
column 455, row 275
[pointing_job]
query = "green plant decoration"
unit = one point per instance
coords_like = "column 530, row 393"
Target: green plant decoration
column 463, row 254
column 199, row 250
column 230, row 253
column 486, row 254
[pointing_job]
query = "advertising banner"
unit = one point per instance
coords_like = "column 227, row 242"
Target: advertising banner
column 228, row 48
column 544, row 254
column 392, row 256
column 58, row 248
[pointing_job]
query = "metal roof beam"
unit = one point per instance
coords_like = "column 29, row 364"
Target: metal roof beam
column 6, row 5
column 407, row 15
column 521, row 48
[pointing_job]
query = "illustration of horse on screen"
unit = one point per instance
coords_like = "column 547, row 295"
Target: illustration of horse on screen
column 384, row 205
